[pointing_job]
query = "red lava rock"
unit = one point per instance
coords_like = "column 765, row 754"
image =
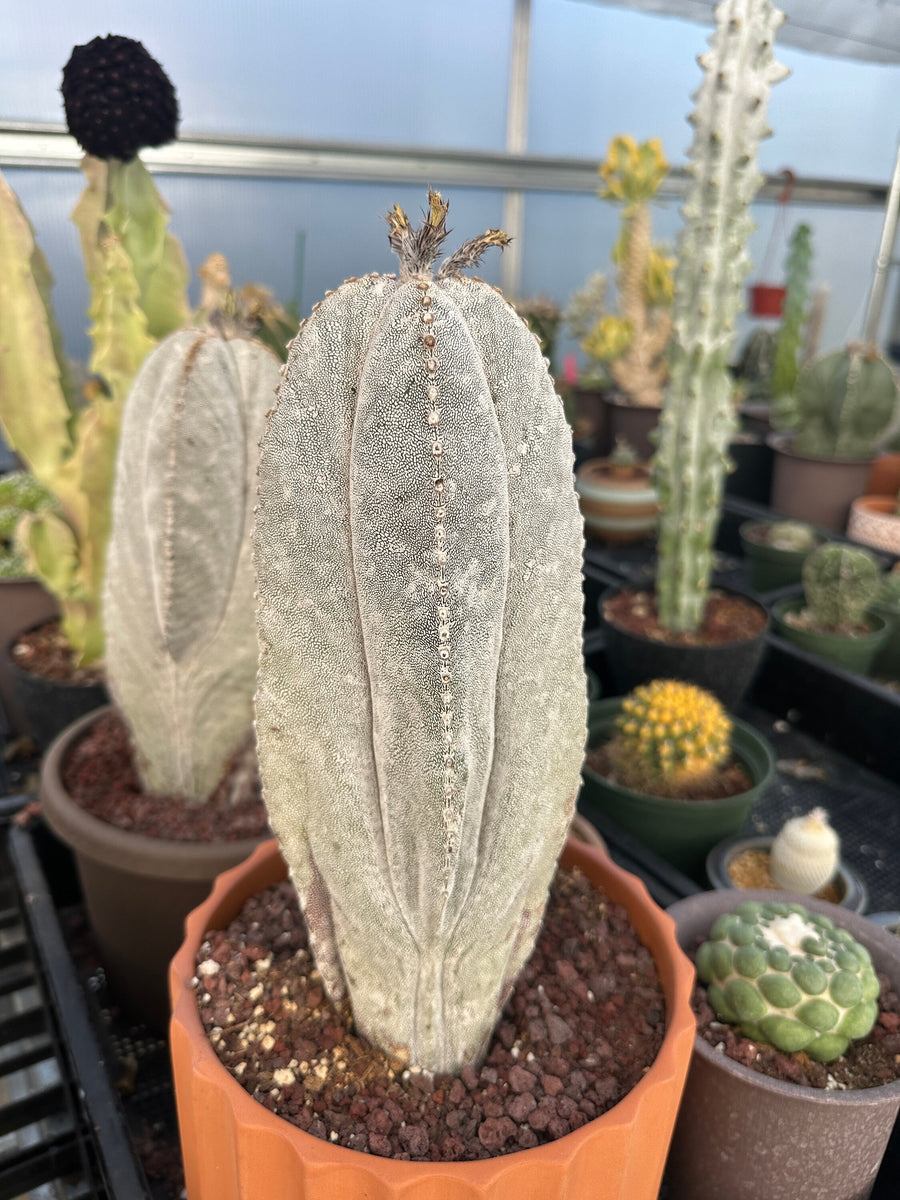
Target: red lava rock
column 531, row 1088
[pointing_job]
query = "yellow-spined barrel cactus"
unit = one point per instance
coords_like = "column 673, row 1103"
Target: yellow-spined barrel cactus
column 788, row 977
column 178, row 604
column 421, row 710
column 669, row 735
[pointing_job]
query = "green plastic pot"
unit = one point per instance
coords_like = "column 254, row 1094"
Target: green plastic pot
column 887, row 661
column 768, row 567
column 852, row 653
column 680, row 831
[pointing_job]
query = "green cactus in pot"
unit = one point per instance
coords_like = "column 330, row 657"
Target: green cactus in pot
column 137, row 277
column 789, row 978
column 840, row 583
column 417, row 550
column 698, row 417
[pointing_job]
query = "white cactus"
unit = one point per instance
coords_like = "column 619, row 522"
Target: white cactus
column 805, row 854
column 178, row 607
column 421, row 703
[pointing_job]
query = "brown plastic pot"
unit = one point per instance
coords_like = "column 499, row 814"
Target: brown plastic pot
column 24, row 604
column 744, row 1136
column 817, row 490
column 234, row 1147
column 875, row 521
column 137, row 889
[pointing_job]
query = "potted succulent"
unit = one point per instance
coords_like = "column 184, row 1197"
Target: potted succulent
column 804, row 857
column 24, row 602
column 420, row 695
column 833, row 619
column 138, row 277
column 616, row 495
column 843, row 409
column 589, row 389
column 669, row 765
column 684, row 630
column 633, row 344
column 794, row 1087
column 875, row 521
column 180, row 661
column 775, row 551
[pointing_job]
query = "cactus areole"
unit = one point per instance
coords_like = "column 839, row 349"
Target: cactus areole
column 420, row 705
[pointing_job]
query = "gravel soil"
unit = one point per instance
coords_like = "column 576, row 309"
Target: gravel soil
column 583, row 1024
column 46, row 652
column 725, row 619
column 100, row 775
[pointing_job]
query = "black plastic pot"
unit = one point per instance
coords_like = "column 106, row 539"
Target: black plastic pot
column 727, row 669
column 48, row 706
column 751, row 478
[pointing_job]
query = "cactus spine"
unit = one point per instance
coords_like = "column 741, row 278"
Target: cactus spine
column 178, row 611
column 698, row 419
column 418, row 703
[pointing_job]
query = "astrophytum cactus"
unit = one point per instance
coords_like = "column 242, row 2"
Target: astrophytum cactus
column 178, row 605
column 421, row 703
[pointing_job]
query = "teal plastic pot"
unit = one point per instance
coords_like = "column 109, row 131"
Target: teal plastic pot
column 680, row 831
column 852, row 653
column 768, row 567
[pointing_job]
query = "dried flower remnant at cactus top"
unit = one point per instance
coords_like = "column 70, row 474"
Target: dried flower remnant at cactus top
column 420, row 698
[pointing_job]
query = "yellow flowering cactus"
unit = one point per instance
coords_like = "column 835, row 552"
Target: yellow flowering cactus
column 669, row 736
column 633, row 344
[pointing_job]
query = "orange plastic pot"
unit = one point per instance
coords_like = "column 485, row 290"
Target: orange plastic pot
column 235, row 1149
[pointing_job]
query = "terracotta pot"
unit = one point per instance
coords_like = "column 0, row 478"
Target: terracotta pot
column 848, row 885
column 817, row 490
column 766, row 299
column 744, row 1136
column 24, row 604
column 137, row 889
column 634, row 423
column 726, row 669
column 680, row 831
column 619, row 504
column 874, row 521
column 234, row 1147
column 884, row 477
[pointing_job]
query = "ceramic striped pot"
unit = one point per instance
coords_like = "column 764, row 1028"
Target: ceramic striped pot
column 618, row 502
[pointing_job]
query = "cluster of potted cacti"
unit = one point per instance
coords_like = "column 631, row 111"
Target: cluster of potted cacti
column 382, row 536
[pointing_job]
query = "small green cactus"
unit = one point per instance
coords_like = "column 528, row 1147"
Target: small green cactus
column 792, row 535
column 889, row 595
column 845, row 405
column 669, row 735
column 787, row 346
column 840, row 583
column 20, row 494
column 789, row 978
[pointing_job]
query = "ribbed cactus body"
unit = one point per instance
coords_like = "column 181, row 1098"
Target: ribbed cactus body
column 798, row 272
column 698, row 416
column 840, row 583
column 805, row 854
column 420, row 704
column 178, row 607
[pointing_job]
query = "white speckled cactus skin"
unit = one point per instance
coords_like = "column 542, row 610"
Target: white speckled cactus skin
column 178, row 607
column 421, row 703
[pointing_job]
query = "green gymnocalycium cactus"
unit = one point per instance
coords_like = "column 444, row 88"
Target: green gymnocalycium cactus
column 840, row 583
column 844, row 405
column 420, row 697
column 786, row 976
column 178, row 604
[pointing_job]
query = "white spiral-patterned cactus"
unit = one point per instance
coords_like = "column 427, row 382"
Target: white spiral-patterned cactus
column 178, row 605
column 421, row 703
column 805, row 854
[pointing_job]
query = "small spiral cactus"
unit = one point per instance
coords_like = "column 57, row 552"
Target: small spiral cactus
column 792, row 535
column 805, row 854
column 789, row 978
column 840, row 583
column 669, row 735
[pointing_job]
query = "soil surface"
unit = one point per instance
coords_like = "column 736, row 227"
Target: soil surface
column 100, row 775
column 870, row 1062
column 805, row 621
column 730, row 780
column 584, row 1023
column 727, row 619
column 46, row 652
column 750, row 869
column 767, row 535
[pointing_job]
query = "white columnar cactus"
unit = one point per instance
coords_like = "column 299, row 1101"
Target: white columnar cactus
column 421, row 704
column 698, row 416
column 178, row 605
